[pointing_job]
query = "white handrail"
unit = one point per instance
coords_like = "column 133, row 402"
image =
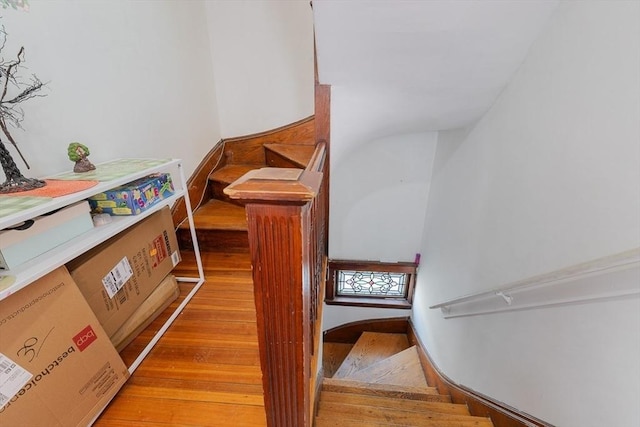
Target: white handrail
column 504, row 298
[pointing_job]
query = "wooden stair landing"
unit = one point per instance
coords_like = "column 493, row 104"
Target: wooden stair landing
column 380, row 382
column 403, row 368
column 372, row 347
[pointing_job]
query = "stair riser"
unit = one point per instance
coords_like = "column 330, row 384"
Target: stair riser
column 397, row 403
column 426, row 397
column 276, row 161
column 217, row 192
column 399, row 416
column 215, row 240
column 331, row 421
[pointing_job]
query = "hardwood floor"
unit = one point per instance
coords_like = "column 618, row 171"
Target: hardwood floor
column 205, row 370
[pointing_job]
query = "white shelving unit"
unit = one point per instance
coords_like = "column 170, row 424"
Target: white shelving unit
column 49, row 261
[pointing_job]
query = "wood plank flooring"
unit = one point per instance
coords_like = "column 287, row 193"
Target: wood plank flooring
column 205, row 370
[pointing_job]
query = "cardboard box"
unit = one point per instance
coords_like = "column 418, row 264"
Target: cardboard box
column 42, row 234
column 118, row 275
column 134, row 197
column 162, row 296
column 57, row 365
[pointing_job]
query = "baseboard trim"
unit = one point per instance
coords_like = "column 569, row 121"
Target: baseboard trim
column 350, row 332
column 501, row 415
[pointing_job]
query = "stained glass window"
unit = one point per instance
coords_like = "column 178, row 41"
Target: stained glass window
column 371, row 284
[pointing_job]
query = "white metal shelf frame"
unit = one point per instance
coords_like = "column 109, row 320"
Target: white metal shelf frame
column 47, row 262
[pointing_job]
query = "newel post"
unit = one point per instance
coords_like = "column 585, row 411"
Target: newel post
column 278, row 211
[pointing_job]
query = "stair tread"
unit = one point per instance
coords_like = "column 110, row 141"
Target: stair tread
column 219, row 215
column 333, row 354
column 384, row 390
column 394, row 402
column 328, row 420
column 394, row 415
column 296, row 153
column 371, row 348
column 403, row 368
column 229, row 173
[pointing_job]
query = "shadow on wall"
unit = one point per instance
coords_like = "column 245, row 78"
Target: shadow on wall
column 379, row 197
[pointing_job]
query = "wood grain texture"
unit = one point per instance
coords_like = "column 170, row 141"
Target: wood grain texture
column 328, row 420
column 350, row 332
column 397, row 416
column 288, row 156
column 333, row 354
column 249, row 149
column 197, row 183
column 221, row 178
column 322, row 114
column 394, row 402
column 220, row 226
column 403, row 369
column 429, row 394
column 372, row 419
column 205, row 371
column 246, row 149
column 372, row 347
column 277, row 242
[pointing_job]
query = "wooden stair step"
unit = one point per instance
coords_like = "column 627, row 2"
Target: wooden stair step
column 219, row 215
column 219, row 226
column 230, row 173
column 393, row 402
column 225, row 176
column 392, row 415
column 288, row 155
column 327, row 420
column 333, row 354
column 403, row 368
column 429, row 394
column 371, row 348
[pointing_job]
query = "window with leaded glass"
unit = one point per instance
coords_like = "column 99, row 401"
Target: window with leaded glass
column 374, row 284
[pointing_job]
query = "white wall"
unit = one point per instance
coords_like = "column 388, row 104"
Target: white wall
column 379, row 195
column 126, row 78
column 378, row 200
column 263, row 63
column 549, row 178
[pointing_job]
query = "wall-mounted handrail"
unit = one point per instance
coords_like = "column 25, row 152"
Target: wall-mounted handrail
column 510, row 297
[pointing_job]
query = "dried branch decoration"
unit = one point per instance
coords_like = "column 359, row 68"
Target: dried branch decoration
column 10, row 111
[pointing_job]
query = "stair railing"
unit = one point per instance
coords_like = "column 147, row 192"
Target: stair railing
column 287, row 216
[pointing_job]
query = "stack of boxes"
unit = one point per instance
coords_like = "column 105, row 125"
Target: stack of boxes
column 60, row 336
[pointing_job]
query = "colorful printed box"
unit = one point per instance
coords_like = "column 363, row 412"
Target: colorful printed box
column 134, row 197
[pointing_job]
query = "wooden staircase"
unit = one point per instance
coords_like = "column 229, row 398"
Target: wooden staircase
column 220, row 222
column 379, row 381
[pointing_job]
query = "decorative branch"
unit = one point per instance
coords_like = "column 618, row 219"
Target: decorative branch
column 10, row 113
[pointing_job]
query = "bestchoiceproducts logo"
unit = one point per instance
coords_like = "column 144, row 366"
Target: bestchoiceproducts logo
column 84, row 338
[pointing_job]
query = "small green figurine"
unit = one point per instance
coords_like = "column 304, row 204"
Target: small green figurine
column 78, row 153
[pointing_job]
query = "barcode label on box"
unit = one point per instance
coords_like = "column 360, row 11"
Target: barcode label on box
column 12, row 378
column 117, row 277
column 175, row 258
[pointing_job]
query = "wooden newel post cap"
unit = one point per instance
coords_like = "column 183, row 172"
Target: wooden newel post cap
column 276, row 185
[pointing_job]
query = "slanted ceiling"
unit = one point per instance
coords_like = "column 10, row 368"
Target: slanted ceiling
column 413, row 66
